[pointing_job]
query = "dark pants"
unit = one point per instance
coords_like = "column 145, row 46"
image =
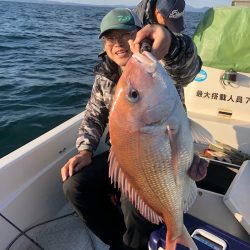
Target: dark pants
column 90, row 192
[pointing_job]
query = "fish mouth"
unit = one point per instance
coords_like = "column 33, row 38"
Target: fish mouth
column 147, row 60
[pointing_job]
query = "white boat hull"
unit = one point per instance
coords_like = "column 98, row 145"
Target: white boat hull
column 222, row 109
column 30, row 182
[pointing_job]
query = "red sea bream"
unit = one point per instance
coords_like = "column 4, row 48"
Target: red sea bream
column 152, row 146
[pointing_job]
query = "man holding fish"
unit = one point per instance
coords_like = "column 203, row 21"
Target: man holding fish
column 86, row 179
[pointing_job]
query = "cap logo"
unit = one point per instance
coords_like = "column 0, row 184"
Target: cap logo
column 175, row 14
column 122, row 19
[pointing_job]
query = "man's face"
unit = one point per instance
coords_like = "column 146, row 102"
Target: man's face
column 117, row 47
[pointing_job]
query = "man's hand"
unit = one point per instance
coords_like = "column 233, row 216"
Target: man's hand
column 76, row 163
column 160, row 37
column 198, row 168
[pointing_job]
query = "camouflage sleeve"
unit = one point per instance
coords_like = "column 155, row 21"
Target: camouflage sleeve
column 95, row 117
column 182, row 62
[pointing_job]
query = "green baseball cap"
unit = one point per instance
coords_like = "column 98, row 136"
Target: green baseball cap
column 120, row 19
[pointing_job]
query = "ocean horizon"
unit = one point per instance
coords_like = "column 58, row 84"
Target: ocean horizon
column 188, row 8
column 48, row 52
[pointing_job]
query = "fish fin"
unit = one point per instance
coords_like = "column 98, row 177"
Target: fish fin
column 189, row 196
column 184, row 239
column 113, row 167
column 147, row 212
column 174, row 150
column 199, row 133
column 117, row 176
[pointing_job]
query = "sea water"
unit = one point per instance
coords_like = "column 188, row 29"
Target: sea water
column 47, row 55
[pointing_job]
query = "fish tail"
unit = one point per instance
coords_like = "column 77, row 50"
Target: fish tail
column 184, row 239
column 171, row 244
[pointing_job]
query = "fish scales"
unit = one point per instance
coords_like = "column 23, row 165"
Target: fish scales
column 152, row 147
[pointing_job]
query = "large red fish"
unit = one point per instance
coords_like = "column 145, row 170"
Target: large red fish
column 152, row 146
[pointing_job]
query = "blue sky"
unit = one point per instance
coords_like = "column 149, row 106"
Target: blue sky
column 194, row 3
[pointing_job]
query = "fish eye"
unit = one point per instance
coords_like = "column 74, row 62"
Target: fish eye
column 133, row 95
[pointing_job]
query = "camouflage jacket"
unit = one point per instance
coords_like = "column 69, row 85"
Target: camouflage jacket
column 144, row 10
column 182, row 63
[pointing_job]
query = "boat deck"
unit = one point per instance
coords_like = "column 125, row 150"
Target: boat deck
column 67, row 232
